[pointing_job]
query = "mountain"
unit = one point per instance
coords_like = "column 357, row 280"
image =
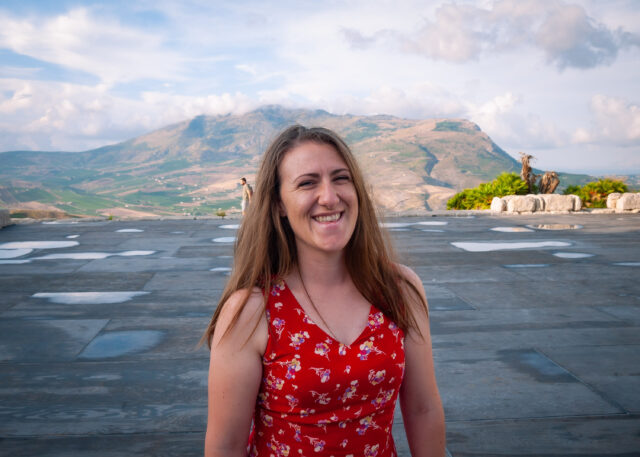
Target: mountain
column 193, row 167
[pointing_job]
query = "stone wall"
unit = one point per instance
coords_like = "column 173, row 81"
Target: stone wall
column 554, row 203
column 629, row 201
column 536, row 203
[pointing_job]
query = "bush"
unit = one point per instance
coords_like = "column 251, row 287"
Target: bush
column 480, row 197
column 594, row 194
column 221, row 213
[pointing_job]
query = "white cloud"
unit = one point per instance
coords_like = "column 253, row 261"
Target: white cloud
column 451, row 36
column 505, row 121
column 615, row 121
column 159, row 62
column 490, row 114
column 418, row 101
column 570, row 38
column 565, row 33
column 83, row 41
column 61, row 116
column 251, row 69
column 181, row 107
column 581, row 135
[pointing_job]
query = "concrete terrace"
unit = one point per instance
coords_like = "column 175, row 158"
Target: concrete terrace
column 537, row 349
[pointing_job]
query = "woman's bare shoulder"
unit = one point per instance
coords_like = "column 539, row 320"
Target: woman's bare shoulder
column 409, row 275
column 254, row 302
column 418, row 304
column 238, row 318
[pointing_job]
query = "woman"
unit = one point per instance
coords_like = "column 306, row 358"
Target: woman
column 318, row 331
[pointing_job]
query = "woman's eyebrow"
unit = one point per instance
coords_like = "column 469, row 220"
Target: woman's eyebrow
column 307, row 175
column 339, row 170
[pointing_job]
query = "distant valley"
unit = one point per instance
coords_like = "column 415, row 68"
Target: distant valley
column 192, row 168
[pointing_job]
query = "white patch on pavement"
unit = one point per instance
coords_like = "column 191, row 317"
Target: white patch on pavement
column 526, row 265
column 38, row 244
column 506, row 245
column 92, row 255
column 88, row 298
column 224, row 239
column 572, row 255
column 13, row 253
column 395, row 224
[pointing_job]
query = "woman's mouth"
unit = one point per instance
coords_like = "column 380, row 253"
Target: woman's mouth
column 328, row 218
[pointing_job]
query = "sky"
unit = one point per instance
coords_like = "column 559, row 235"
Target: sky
column 556, row 79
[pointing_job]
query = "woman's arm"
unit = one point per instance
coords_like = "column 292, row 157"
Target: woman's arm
column 235, row 372
column 420, row 402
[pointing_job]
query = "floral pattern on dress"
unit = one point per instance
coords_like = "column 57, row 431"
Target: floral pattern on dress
column 319, row 396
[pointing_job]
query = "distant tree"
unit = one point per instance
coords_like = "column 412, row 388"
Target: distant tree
column 549, row 182
column 526, row 173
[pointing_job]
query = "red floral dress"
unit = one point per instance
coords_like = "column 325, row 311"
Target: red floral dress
column 321, row 397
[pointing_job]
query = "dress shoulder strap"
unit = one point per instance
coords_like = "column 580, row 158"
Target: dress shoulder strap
column 276, row 308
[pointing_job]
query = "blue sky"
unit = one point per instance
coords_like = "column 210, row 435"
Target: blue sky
column 556, row 79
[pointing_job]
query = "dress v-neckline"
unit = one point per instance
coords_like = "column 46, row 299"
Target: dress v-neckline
column 372, row 310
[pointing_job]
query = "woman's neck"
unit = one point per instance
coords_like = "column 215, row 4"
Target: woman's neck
column 323, row 269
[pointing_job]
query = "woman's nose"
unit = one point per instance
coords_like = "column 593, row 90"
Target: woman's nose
column 328, row 195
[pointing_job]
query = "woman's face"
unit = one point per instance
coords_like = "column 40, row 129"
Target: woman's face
column 318, row 197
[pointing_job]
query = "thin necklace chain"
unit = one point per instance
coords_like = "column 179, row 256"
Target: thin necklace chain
column 315, row 308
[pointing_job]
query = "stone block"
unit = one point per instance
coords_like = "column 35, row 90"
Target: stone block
column 498, row 205
column 612, row 199
column 555, row 202
column 628, row 201
column 5, row 218
column 541, row 204
column 523, row 204
column 577, row 203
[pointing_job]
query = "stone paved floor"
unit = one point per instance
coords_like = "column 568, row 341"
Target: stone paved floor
column 536, row 349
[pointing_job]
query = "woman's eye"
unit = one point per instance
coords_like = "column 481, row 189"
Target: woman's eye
column 343, row 178
column 305, row 184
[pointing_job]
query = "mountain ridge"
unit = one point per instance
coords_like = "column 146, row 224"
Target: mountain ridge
column 192, row 167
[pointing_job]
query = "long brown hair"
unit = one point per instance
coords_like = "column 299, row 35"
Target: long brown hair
column 265, row 248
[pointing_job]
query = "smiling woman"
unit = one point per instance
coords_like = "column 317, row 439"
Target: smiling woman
column 317, row 197
column 318, row 330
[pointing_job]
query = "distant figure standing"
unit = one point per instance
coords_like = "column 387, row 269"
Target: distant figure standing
column 247, row 193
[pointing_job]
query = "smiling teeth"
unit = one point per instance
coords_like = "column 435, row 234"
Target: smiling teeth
column 332, row 218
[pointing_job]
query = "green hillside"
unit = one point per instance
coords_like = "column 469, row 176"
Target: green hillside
column 193, row 167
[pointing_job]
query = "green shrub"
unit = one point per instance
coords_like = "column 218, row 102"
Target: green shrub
column 480, row 197
column 221, row 213
column 594, row 194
